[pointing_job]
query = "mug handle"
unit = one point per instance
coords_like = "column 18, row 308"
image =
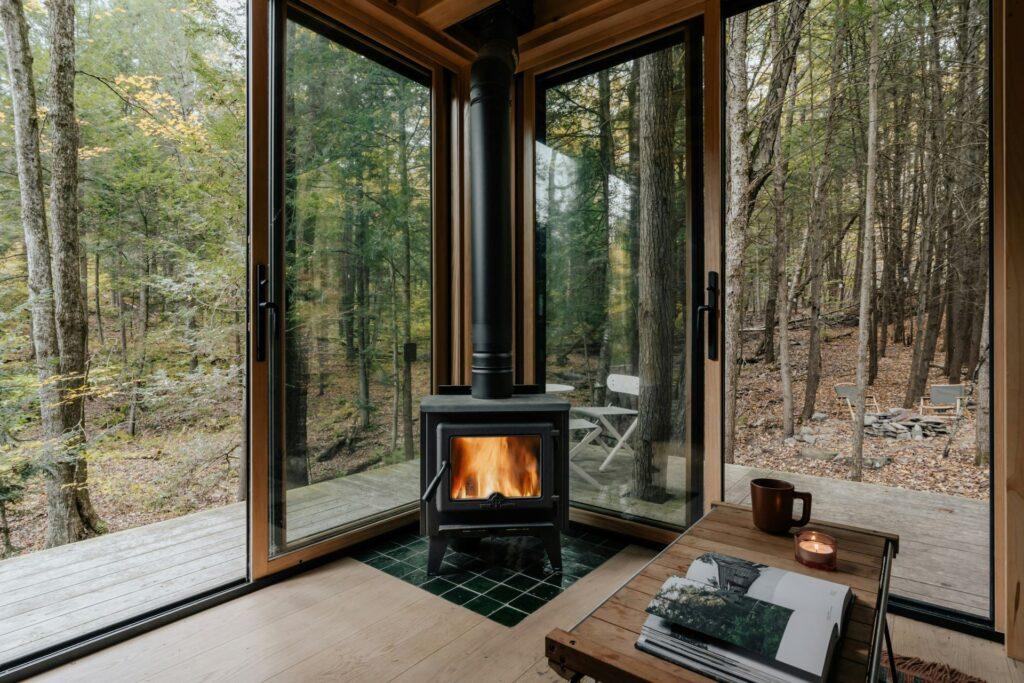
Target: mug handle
column 805, row 515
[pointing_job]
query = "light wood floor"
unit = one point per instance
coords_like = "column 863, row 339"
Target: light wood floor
column 348, row 622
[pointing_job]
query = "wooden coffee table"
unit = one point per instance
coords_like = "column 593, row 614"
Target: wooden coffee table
column 603, row 644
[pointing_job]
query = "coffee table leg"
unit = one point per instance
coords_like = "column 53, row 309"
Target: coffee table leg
column 892, row 655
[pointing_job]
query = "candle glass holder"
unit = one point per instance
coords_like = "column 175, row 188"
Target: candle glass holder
column 816, row 549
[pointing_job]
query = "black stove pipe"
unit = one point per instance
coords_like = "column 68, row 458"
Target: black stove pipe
column 491, row 187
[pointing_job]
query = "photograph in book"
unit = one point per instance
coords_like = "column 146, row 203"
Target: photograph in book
column 774, row 615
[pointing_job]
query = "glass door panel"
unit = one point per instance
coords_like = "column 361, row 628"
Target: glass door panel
column 354, row 270
column 616, row 219
column 815, row 303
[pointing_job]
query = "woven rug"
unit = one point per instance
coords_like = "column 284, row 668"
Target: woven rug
column 914, row 670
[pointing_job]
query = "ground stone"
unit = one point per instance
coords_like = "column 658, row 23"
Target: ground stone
column 819, row 417
column 814, row 453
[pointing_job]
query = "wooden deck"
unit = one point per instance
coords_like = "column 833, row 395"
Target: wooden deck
column 944, row 540
column 52, row 595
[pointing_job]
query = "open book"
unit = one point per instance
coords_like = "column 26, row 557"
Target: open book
column 736, row 620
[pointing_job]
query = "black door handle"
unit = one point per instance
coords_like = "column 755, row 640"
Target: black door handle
column 264, row 309
column 710, row 309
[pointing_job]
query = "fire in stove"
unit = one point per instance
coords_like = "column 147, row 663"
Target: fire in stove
column 485, row 465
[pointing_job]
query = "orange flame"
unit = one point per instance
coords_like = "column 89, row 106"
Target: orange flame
column 483, row 465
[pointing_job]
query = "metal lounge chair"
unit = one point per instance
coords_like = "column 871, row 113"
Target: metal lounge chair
column 621, row 384
column 944, row 399
column 592, row 432
column 847, row 391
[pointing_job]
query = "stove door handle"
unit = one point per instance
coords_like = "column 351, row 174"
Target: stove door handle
column 428, row 493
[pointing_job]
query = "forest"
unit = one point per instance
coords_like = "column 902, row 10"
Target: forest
column 122, row 252
column 857, row 236
column 123, row 245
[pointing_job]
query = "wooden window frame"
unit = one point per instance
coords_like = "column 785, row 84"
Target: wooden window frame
column 447, row 64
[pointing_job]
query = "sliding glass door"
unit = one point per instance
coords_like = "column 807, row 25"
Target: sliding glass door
column 350, row 278
column 122, row 316
column 619, row 256
column 857, row 255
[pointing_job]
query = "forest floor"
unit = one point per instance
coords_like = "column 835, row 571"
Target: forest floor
column 917, row 465
column 186, row 460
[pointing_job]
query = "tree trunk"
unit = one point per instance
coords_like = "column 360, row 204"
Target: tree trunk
column 868, row 252
column 983, row 414
column 408, row 449
column 607, row 159
column 57, row 309
column 99, row 310
column 654, row 277
column 782, row 282
column 296, row 379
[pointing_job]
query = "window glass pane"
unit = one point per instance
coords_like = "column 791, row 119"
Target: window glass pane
column 357, row 284
column 815, row 300
column 611, row 212
column 120, row 458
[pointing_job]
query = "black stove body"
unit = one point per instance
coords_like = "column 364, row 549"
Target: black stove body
column 524, row 438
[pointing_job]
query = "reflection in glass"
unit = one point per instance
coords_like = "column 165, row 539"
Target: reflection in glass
column 612, row 216
column 357, row 284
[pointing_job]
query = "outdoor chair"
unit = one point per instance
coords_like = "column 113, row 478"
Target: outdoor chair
column 592, row 432
column 945, row 399
column 621, row 384
column 847, row 391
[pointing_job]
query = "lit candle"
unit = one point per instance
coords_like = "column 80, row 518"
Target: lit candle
column 815, row 549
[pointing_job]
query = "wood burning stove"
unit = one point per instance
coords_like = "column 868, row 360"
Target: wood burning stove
column 494, row 468
column 495, row 462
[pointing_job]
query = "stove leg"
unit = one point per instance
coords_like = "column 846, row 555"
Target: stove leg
column 435, row 553
column 553, row 545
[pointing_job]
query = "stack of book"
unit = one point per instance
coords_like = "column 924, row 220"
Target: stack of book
column 734, row 620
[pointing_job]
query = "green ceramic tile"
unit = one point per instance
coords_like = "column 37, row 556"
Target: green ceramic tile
column 503, row 593
column 459, row 595
column 399, row 569
column 528, row 603
column 497, row 573
column 379, row 562
column 507, row 616
column 503, row 579
column 545, row 591
column 483, row 605
column 438, row 586
column 521, row 582
column 401, row 553
column 479, row 584
column 418, row 577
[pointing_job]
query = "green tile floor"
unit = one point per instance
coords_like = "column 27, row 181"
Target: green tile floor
column 503, row 579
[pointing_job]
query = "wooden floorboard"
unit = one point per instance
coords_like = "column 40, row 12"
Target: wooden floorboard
column 944, row 540
column 52, row 595
column 346, row 621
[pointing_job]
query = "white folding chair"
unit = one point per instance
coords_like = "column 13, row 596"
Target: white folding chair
column 621, row 384
column 592, row 432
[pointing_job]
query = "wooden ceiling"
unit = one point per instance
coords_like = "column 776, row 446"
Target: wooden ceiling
column 563, row 30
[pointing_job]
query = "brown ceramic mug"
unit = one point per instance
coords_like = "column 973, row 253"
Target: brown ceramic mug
column 772, row 501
